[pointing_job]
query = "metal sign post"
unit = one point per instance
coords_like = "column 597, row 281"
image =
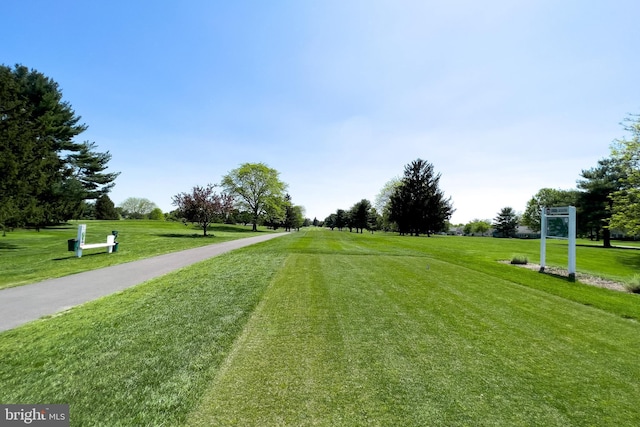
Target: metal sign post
column 543, row 240
column 82, row 231
column 559, row 223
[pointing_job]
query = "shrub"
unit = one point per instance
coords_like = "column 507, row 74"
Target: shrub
column 156, row 214
column 633, row 284
column 519, row 259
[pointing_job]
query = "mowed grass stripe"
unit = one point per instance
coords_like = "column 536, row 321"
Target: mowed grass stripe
column 143, row 356
column 382, row 340
column 260, row 381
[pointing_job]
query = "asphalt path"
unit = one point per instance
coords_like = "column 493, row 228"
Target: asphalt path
column 26, row 303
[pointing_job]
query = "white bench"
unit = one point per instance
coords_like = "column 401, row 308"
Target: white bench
column 82, row 229
column 111, row 242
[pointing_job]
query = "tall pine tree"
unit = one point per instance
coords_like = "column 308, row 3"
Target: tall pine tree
column 596, row 204
column 506, row 223
column 418, row 205
column 105, row 208
column 41, row 165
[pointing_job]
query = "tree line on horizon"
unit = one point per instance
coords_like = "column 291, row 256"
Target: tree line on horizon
column 607, row 197
column 46, row 178
column 411, row 205
column 253, row 194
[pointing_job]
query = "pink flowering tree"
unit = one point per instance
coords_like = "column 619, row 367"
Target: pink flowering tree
column 204, row 206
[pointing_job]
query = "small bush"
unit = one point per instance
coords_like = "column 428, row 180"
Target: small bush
column 633, row 284
column 519, row 259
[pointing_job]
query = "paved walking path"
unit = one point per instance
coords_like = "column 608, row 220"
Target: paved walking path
column 23, row 304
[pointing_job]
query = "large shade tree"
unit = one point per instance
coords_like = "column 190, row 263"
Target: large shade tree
column 625, row 153
column 479, row 226
column 546, row 197
column 256, row 188
column 45, row 175
column 418, row 205
column 330, row 221
column 137, row 207
column 382, row 202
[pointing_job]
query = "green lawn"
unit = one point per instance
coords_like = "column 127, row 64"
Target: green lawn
column 338, row 329
column 28, row 256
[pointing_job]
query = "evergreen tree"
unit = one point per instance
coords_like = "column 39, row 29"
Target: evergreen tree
column 596, row 203
column 506, row 223
column 374, row 220
column 292, row 214
column 37, row 132
column 105, row 208
column 418, row 205
column 341, row 219
column 88, row 166
column 359, row 215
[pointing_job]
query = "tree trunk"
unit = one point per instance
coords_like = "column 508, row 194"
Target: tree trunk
column 606, row 237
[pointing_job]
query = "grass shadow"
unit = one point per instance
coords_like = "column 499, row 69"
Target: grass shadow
column 630, row 262
column 187, row 236
column 558, row 276
column 628, row 259
column 8, row 246
column 61, row 227
column 631, row 248
column 233, row 229
column 84, row 255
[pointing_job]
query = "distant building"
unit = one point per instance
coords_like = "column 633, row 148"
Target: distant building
column 522, row 232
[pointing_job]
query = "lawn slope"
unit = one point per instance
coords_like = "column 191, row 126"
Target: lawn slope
column 338, row 329
column 353, row 336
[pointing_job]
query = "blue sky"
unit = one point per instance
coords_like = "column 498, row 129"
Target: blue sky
column 503, row 97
